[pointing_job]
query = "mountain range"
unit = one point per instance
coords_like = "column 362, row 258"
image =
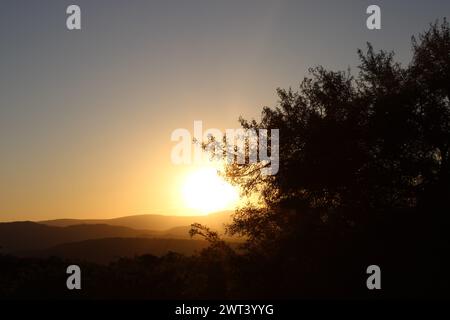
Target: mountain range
column 104, row 240
column 150, row 221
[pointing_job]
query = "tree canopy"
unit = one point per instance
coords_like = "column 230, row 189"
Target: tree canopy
column 364, row 176
column 355, row 147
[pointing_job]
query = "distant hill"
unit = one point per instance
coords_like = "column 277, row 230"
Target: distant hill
column 110, row 249
column 19, row 236
column 104, row 240
column 151, row 221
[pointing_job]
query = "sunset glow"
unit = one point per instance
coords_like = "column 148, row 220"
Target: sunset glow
column 205, row 191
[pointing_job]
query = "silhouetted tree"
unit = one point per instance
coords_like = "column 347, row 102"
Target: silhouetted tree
column 364, row 172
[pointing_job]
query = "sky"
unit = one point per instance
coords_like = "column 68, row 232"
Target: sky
column 86, row 116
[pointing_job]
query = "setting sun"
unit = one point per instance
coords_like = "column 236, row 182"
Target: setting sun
column 206, row 191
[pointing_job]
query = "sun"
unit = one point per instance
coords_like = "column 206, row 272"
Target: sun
column 204, row 190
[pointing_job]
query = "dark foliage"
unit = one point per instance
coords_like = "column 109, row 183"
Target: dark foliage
column 364, row 179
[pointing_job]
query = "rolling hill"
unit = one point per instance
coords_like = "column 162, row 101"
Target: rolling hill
column 150, row 221
column 20, row 236
column 105, row 240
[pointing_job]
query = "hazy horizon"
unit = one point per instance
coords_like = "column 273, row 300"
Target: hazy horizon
column 189, row 213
